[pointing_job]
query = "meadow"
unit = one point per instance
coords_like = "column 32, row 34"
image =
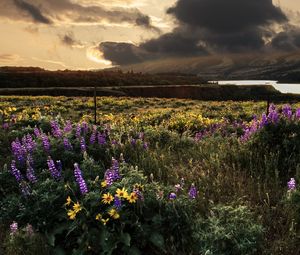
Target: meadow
column 152, row 176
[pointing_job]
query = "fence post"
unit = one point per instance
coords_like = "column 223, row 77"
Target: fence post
column 268, row 104
column 95, row 105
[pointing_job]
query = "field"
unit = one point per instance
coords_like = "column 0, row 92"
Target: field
column 153, row 176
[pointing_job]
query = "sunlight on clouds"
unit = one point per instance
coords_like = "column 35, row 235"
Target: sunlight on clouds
column 95, row 55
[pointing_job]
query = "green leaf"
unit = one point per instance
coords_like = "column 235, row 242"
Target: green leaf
column 126, row 239
column 157, row 239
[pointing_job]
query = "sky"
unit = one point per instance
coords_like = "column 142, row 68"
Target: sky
column 96, row 34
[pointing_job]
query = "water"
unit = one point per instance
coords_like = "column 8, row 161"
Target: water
column 282, row 87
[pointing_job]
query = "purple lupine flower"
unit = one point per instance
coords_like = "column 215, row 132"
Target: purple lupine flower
column 172, row 196
column 79, row 179
column 68, row 127
column 93, row 137
column 30, row 159
column 198, row 136
column 78, row 131
column 145, row 146
column 15, row 172
column 30, row 174
column 68, row 146
column 112, row 174
column 101, row 139
column 53, row 170
column 13, row 228
column 5, row 126
column 273, row 115
column 37, row 132
column 85, row 127
column 291, row 184
column 117, row 202
column 297, row 114
column 82, row 144
column 193, row 192
column 287, row 111
column 139, row 194
column 45, row 142
column 19, row 151
column 29, row 144
column 59, row 166
column 263, row 121
column 55, row 129
column 133, row 142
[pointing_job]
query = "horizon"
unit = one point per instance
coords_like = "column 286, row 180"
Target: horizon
column 87, row 35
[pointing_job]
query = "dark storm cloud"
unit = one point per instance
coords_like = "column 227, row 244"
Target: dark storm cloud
column 287, row 40
column 33, row 11
column 226, row 16
column 212, row 26
column 69, row 40
column 67, row 11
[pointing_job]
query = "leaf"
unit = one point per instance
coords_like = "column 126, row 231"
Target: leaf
column 157, row 239
column 126, row 239
column 134, row 251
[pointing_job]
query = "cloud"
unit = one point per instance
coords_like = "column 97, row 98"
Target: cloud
column 69, row 40
column 6, row 58
column 33, row 11
column 287, row 40
column 207, row 27
column 62, row 12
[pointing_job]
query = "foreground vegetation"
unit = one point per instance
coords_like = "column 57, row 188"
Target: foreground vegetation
column 154, row 176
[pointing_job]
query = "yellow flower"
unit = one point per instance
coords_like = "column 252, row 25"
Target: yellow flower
column 114, row 214
column 104, row 221
column 132, row 197
column 98, row 217
column 107, row 198
column 138, row 186
column 71, row 214
column 68, row 201
column 122, row 193
column 77, row 207
column 103, row 184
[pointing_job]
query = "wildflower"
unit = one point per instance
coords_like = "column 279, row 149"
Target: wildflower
column 193, row 192
column 79, row 179
column 114, row 214
column 55, row 129
column 122, row 193
column 14, row 228
column 104, row 221
column 101, row 138
column 291, row 184
column 72, row 214
column 178, row 187
column 77, row 207
column 104, row 184
column 85, row 127
column 69, row 200
column 138, row 187
column 93, row 137
column 132, row 198
column 172, row 196
column 287, row 111
column 112, row 174
column 53, row 170
column 78, row 131
column 68, row 127
column 264, row 121
column 36, row 132
column 68, row 146
column 297, row 114
column 45, row 142
column 30, row 173
column 107, row 198
column 117, row 203
column 16, row 172
column 82, row 144
column 98, row 217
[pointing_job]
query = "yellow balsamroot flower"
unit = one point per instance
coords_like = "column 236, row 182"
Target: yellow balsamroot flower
column 114, row 214
column 138, row 186
column 103, row 184
column 77, row 207
column 71, row 214
column 132, row 197
column 98, row 217
column 104, row 221
column 69, row 200
column 122, row 193
column 107, row 198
